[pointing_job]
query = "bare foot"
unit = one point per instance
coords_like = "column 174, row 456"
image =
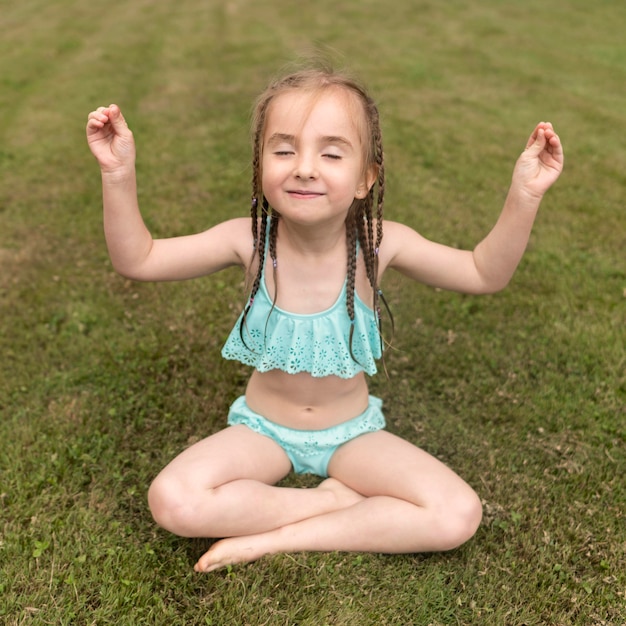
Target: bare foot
column 345, row 496
column 248, row 548
column 231, row 551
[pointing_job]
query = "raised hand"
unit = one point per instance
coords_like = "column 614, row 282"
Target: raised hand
column 541, row 162
column 110, row 140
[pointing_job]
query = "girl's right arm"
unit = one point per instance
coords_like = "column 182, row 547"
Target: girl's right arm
column 133, row 252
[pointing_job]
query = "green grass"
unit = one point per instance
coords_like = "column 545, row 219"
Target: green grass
column 103, row 381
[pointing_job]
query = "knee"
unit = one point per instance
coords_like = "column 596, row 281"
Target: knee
column 171, row 506
column 461, row 521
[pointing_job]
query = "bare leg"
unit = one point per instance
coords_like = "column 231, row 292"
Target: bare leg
column 221, row 487
column 414, row 503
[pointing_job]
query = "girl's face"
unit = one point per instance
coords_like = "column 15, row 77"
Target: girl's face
column 312, row 163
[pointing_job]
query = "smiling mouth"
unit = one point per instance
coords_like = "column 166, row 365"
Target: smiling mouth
column 304, row 194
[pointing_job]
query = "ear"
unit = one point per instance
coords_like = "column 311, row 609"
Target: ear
column 366, row 184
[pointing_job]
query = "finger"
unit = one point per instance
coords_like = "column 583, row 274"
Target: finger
column 93, row 124
column 537, row 141
column 101, row 114
column 533, row 137
column 553, row 138
column 556, row 148
column 535, row 133
column 117, row 119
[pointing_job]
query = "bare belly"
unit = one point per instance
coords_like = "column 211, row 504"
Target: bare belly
column 306, row 403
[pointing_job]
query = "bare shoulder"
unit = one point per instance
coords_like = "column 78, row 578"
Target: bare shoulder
column 238, row 227
column 398, row 239
column 425, row 261
column 224, row 245
column 396, row 231
column 235, row 235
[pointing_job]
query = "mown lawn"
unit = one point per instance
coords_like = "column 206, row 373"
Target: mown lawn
column 103, row 381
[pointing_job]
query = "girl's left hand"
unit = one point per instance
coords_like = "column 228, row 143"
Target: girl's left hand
column 541, row 163
column 110, row 140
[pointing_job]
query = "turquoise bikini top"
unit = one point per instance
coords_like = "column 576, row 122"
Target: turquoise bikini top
column 317, row 343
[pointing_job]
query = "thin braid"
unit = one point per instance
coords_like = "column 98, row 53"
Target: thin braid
column 373, row 244
column 370, row 233
column 351, row 240
column 364, row 230
column 272, row 248
column 352, row 236
column 371, row 250
column 254, row 208
column 380, row 163
column 371, row 263
column 378, row 159
column 258, row 234
column 260, row 248
column 256, row 172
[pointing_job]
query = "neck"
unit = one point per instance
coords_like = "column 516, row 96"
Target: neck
column 312, row 240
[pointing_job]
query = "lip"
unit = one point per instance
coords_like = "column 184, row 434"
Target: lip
column 304, row 194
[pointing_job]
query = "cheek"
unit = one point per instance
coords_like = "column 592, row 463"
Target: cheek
column 269, row 169
column 265, row 174
column 270, row 184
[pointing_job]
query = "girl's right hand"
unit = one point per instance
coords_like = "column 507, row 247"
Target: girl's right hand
column 110, row 140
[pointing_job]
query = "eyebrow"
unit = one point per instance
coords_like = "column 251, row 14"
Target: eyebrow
column 279, row 138
column 327, row 139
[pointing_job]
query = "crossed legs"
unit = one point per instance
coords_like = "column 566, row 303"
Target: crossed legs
column 384, row 495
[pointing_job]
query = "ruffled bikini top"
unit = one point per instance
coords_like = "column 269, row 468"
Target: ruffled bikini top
column 317, row 343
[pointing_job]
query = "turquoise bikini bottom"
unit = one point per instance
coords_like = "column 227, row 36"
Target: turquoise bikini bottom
column 309, row 451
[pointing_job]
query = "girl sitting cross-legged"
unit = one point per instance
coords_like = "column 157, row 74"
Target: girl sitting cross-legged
column 314, row 255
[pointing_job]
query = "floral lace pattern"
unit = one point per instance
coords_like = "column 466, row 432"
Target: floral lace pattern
column 318, row 343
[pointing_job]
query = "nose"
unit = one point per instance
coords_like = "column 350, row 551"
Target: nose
column 305, row 168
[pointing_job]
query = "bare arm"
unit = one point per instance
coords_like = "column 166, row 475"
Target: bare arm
column 490, row 266
column 133, row 251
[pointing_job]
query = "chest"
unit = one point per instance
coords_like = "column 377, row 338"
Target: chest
column 309, row 288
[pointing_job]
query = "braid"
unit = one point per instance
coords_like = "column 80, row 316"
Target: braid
column 258, row 233
column 368, row 234
column 256, row 190
column 260, row 249
column 365, row 221
column 256, row 171
column 351, row 239
column 272, row 247
column 380, row 164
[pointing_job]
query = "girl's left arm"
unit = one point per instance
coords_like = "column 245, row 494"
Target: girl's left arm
column 490, row 266
column 538, row 167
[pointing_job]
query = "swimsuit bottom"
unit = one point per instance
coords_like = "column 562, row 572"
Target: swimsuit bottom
column 309, row 451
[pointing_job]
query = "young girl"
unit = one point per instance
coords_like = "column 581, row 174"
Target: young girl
column 314, row 257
